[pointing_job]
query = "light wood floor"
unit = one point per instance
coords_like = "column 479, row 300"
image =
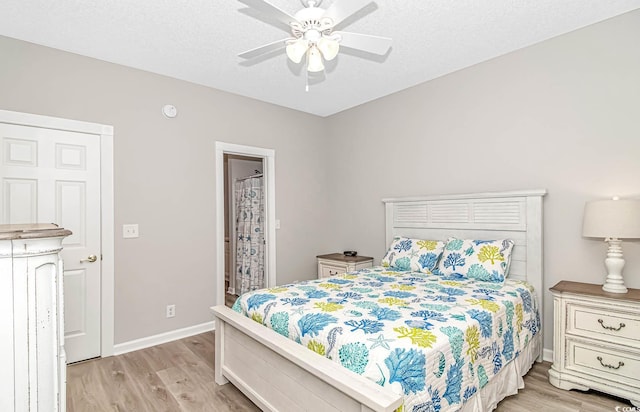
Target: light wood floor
column 173, row 377
column 539, row 395
column 178, row 377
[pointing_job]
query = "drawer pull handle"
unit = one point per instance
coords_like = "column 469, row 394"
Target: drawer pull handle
column 606, row 365
column 601, row 322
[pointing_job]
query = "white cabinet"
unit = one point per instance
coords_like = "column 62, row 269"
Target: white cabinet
column 32, row 359
column 336, row 263
column 596, row 340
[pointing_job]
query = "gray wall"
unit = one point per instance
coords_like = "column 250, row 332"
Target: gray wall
column 561, row 115
column 164, row 175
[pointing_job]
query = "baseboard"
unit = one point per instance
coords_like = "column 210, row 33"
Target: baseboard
column 547, row 355
column 165, row 337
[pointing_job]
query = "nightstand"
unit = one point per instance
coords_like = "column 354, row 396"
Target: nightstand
column 596, row 340
column 336, row 263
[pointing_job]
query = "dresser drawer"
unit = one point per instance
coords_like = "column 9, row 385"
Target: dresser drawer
column 604, row 323
column 603, row 362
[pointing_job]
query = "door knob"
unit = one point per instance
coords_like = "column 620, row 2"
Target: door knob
column 91, row 259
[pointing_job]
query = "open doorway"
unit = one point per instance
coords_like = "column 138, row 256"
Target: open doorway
column 236, row 163
column 244, row 229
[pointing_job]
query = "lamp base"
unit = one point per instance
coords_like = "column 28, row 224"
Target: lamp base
column 614, row 264
column 614, row 287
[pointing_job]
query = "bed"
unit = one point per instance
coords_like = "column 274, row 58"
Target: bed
column 279, row 374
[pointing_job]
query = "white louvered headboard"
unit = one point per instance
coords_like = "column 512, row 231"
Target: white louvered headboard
column 513, row 215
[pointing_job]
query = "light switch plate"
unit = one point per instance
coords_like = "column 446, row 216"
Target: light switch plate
column 130, row 231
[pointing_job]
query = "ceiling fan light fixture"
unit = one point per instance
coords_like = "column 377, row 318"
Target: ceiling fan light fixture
column 329, row 47
column 314, row 58
column 312, row 35
column 297, row 49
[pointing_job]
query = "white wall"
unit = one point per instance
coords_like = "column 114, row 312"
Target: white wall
column 165, row 175
column 561, row 115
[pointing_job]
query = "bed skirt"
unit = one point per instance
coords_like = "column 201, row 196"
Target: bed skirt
column 507, row 382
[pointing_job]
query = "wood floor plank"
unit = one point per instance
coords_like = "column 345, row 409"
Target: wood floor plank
column 147, row 384
column 190, row 393
column 87, row 392
column 120, row 395
column 169, row 355
column 202, row 345
column 178, row 377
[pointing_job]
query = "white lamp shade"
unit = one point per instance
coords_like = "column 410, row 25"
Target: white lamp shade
column 315, row 60
column 328, row 47
column 297, row 49
column 612, row 219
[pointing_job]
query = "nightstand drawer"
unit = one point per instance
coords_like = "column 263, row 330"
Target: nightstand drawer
column 603, row 362
column 337, row 264
column 604, row 323
column 331, row 270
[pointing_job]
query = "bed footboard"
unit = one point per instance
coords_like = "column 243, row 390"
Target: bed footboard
column 278, row 374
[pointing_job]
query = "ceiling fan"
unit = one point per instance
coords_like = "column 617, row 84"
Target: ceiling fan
column 312, row 30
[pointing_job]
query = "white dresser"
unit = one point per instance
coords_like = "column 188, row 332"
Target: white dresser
column 32, row 359
column 336, row 263
column 596, row 340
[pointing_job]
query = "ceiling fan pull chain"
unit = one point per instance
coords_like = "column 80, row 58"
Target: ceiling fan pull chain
column 306, row 74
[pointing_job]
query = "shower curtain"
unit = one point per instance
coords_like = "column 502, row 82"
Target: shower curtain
column 250, row 241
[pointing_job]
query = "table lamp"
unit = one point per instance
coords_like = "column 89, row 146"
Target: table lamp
column 612, row 219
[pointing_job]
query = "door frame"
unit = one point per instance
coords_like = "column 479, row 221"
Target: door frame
column 106, row 207
column 268, row 160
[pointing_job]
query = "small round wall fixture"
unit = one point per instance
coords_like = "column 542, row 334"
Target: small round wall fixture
column 169, row 110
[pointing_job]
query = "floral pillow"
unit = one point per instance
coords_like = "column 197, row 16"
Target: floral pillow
column 484, row 260
column 417, row 255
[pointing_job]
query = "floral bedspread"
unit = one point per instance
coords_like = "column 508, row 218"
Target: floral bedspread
column 435, row 340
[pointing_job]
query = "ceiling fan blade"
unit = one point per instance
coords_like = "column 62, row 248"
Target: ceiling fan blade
column 267, row 48
column 270, row 10
column 340, row 10
column 371, row 44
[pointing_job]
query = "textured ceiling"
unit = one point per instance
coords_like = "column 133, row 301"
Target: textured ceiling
column 198, row 41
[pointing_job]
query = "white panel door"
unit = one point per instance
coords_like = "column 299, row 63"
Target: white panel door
column 53, row 176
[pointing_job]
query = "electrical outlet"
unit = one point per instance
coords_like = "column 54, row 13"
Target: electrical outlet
column 171, row 311
column 130, row 231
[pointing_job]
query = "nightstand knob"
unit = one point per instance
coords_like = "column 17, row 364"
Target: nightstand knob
column 601, row 322
column 606, row 365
